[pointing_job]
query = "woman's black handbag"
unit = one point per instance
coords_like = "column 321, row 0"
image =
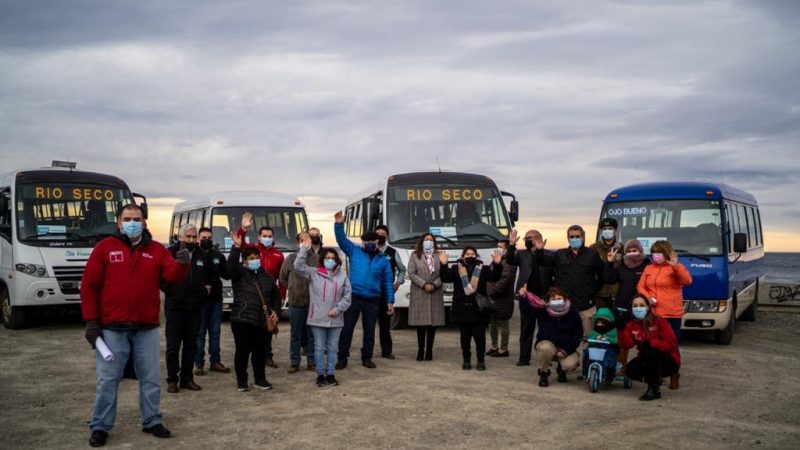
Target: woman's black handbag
column 485, row 304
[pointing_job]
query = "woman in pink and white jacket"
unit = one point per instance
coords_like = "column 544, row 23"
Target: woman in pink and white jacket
column 329, row 298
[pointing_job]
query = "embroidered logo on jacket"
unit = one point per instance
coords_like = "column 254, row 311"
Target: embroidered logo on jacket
column 116, row 256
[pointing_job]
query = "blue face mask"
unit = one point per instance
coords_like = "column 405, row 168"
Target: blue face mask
column 427, row 245
column 639, row 312
column 253, row 264
column 370, row 246
column 576, row 243
column 132, row 229
column 266, row 242
column 330, row 264
column 557, row 305
column 608, row 234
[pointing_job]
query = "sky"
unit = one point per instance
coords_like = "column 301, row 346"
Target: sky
column 558, row 102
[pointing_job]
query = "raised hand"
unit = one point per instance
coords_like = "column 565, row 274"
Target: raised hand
column 443, row 258
column 513, row 237
column 306, row 242
column 338, row 217
column 497, row 256
column 539, row 244
column 183, row 255
column 523, row 291
column 673, row 258
column 612, row 255
column 237, row 241
column 247, row 220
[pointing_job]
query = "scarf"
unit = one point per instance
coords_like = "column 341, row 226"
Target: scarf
column 538, row 303
column 429, row 259
column 633, row 260
column 470, row 285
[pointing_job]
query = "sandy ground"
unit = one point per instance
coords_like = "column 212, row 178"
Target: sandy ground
column 741, row 396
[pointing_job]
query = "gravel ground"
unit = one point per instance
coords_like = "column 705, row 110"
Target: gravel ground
column 741, row 396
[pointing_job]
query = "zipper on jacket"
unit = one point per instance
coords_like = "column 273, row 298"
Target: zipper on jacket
column 324, row 288
column 312, row 311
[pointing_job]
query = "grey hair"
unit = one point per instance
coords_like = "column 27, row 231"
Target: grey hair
column 186, row 227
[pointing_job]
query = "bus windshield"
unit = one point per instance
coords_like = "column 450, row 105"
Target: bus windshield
column 691, row 226
column 48, row 212
column 285, row 224
column 459, row 213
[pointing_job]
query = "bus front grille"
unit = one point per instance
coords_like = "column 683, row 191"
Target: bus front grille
column 69, row 279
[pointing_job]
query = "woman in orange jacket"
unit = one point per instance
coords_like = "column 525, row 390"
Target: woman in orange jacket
column 662, row 282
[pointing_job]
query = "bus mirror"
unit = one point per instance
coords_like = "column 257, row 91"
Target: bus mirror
column 514, row 212
column 739, row 242
column 143, row 205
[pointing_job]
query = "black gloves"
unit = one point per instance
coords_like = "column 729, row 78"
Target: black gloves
column 92, row 331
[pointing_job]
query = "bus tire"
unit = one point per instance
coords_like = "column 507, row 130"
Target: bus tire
column 751, row 313
column 725, row 336
column 13, row 316
column 399, row 319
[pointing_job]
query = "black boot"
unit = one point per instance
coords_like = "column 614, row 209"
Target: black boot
column 543, row 378
column 653, row 393
column 481, row 365
column 429, row 344
column 420, row 354
column 562, row 376
column 420, row 343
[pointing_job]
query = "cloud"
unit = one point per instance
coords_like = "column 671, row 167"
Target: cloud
column 559, row 104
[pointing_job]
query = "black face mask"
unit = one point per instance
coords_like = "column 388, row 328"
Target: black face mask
column 191, row 246
column 206, row 244
column 381, row 240
column 528, row 244
column 316, row 240
column 470, row 260
column 603, row 328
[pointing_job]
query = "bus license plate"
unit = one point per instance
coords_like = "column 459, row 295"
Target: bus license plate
column 448, row 288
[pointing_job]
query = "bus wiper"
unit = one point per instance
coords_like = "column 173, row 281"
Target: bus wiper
column 688, row 253
column 485, row 235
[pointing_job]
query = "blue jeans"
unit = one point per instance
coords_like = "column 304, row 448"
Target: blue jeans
column 297, row 320
column 676, row 328
column 210, row 321
column 326, row 343
column 368, row 308
column 146, row 362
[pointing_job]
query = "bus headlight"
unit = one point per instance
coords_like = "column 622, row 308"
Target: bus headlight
column 708, row 306
column 34, row 270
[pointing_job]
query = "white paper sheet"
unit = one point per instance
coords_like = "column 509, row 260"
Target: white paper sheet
column 105, row 352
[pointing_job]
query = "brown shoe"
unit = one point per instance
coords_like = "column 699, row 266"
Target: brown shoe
column 192, row 386
column 173, row 388
column 219, row 367
column 675, row 381
column 199, row 371
column 311, row 367
column 271, row 363
column 293, row 369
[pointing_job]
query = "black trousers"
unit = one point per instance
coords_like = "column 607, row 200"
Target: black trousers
column 384, row 327
column 651, row 366
column 425, row 336
column 250, row 341
column 181, row 332
column 526, row 331
column 473, row 331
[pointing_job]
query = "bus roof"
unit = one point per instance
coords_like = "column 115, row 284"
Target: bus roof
column 444, row 176
column 239, row 199
column 672, row 190
column 57, row 174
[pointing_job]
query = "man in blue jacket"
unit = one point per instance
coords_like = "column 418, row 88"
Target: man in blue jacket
column 370, row 277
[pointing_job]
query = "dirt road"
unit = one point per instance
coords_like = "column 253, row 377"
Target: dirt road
column 741, row 396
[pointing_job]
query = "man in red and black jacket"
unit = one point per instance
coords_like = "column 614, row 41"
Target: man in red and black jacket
column 121, row 304
column 271, row 260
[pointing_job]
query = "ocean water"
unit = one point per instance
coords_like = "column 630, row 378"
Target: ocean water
column 783, row 266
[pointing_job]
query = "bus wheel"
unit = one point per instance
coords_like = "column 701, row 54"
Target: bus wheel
column 724, row 337
column 13, row 316
column 399, row 319
column 750, row 314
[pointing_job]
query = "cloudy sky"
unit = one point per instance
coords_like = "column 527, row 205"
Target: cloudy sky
column 559, row 102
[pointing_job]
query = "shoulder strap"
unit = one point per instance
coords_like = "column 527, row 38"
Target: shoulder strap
column 261, row 296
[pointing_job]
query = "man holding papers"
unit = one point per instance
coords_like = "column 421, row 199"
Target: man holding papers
column 121, row 304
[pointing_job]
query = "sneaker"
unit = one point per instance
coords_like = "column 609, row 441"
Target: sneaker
column 562, row 376
column 199, row 371
column 480, row 366
column 321, row 381
column 368, row 364
column 331, row 380
column 243, row 388
column 158, row 431
column 271, row 363
column 501, row 354
column 98, row 438
column 293, row 369
column 263, row 385
column 492, row 352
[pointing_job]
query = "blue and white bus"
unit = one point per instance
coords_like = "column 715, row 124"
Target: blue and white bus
column 716, row 231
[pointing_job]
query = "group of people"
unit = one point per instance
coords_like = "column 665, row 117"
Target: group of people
column 610, row 291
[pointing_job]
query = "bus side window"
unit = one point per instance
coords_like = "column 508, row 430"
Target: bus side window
column 759, row 235
column 752, row 233
column 5, row 214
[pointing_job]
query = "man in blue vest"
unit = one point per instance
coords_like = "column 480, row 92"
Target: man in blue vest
column 370, row 277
